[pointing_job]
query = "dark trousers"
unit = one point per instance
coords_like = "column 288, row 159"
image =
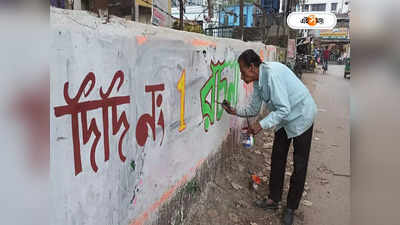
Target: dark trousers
column 280, row 149
column 325, row 63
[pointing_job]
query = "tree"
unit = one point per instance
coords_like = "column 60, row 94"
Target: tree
column 181, row 14
column 241, row 19
column 133, row 10
column 263, row 24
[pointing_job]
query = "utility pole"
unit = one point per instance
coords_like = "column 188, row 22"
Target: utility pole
column 285, row 12
column 210, row 9
column 133, row 10
column 181, row 14
column 263, row 23
column 241, row 20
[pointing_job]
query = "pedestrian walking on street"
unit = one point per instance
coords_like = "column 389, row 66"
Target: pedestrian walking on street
column 292, row 113
column 316, row 53
column 325, row 56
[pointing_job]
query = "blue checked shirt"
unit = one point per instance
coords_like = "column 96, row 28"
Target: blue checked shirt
column 289, row 102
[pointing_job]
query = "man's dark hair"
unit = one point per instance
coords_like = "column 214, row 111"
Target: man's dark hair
column 248, row 57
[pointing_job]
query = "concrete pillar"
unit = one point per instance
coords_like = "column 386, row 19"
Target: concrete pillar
column 77, row 5
column 136, row 12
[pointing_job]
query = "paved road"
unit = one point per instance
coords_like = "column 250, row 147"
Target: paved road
column 329, row 168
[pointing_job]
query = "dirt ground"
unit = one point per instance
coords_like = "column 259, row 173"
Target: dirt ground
column 326, row 200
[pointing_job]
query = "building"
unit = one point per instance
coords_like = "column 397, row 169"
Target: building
column 272, row 6
column 337, row 39
column 156, row 12
column 196, row 11
column 335, row 6
column 264, row 20
column 228, row 21
column 229, row 16
column 143, row 9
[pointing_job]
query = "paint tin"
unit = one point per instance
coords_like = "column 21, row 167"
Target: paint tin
column 246, row 139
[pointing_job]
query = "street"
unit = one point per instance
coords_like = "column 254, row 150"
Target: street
column 329, row 166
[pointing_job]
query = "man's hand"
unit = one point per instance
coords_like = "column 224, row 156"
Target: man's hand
column 228, row 108
column 255, row 128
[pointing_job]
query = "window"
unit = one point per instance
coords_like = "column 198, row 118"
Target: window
column 175, row 3
column 226, row 20
column 333, row 7
column 194, row 2
column 306, row 8
column 318, row 7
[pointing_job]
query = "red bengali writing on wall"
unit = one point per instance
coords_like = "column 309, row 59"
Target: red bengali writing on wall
column 74, row 107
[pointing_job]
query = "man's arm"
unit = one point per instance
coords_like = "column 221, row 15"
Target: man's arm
column 253, row 108
column 280, row 100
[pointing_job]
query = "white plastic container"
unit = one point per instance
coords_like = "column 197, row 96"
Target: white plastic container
column 246, row 139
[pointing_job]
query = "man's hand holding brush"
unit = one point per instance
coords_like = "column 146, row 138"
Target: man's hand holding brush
column 254, row 128
column 228, row 108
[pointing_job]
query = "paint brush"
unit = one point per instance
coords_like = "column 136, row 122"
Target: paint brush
column 225, row 102
column 247, row 118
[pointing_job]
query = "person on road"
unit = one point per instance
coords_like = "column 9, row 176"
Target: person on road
column 316, row 53
column 292, row 113
column 325, row 56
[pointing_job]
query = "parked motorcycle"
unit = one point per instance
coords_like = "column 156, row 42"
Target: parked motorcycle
column 340, row 60
column 347, row 69
column 307, row 63
column 310, row 63
column 298, row 69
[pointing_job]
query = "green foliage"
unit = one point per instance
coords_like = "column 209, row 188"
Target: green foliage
column 192, row 187
column 195, row 28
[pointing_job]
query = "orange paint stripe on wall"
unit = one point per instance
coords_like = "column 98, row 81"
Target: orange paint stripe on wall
column 262, row 55
column 141, row 39
column 199, row 163
column 163, row 198
column 199, row 42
